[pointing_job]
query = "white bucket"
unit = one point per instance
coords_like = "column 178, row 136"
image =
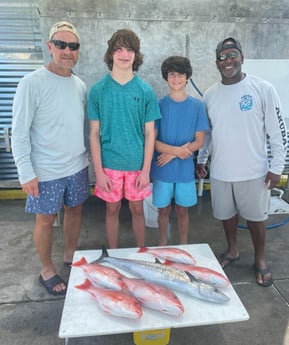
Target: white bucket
column 151, row 213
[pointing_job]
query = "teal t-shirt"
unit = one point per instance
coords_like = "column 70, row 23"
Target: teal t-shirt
column 122, row 111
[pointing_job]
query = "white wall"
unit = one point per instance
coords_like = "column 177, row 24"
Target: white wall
column 276, row 72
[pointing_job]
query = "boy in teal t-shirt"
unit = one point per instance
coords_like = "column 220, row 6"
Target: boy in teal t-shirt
column 122, row 109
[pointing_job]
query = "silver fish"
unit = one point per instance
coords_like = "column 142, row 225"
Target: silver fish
column 169, row 277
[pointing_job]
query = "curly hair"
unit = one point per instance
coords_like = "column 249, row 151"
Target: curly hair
column 124, row 38
column 179, row 64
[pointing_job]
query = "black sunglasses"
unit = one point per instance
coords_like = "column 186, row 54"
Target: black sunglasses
column 232, row 55
column 62, row 45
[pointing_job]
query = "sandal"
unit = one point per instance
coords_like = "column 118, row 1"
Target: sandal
column 263, row 272
column 51, row 283
column 67, row 264
column 225, row 260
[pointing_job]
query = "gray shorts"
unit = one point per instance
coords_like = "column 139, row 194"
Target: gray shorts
column 251, row 199
column 71, row 191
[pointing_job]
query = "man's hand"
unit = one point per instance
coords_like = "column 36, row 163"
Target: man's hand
column 31, row 187
column 272, row 180
column 201, row 170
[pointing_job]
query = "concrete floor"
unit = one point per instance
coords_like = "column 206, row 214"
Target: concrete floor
column 28, row 315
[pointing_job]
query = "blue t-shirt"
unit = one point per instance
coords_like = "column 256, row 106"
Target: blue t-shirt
column 178, row 125
column 122, row 111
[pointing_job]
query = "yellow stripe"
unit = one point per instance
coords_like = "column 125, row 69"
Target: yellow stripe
column 16, row 194
column 12, row 194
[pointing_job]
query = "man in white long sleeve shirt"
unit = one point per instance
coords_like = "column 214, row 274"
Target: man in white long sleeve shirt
column 244, row 111
column 49, row 151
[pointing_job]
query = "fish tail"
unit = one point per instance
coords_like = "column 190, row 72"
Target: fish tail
column 103, row 255
column 142, row 250
column 80, row 262
column 85, row 285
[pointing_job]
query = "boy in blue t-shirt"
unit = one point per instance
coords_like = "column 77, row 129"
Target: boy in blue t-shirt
column 179, row 133
column 122, row 109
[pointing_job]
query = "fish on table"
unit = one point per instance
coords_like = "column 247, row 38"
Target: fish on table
column 150, row 295
column 170, row 277
column 101, row 275
column 169, row 253
column 204, row 274
column 154, row 296
column 113, row 302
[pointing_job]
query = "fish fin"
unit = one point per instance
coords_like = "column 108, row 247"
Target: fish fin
column 86, row 284
column 80, row 262
column 104, row 252
column 103, row 255
column 158, row 261
column 192, row 277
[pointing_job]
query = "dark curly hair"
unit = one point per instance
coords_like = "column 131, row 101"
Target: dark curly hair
column 179, row 64
column 124, row 38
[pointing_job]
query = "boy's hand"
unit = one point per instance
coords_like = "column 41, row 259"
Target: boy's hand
column 164, row 158
column 183, row 152
column 142, row 181
column 103, row 182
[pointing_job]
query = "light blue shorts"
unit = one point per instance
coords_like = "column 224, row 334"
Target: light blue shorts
column 185, row 194
column 71, row 191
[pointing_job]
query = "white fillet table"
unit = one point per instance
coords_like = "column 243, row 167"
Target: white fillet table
column 81, row 316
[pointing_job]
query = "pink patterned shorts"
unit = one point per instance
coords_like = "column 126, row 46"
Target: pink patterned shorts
column 123, row 185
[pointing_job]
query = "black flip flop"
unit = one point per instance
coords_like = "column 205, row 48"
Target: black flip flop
column 224, row 257
column 50, row 283
column 68, row 264
column 263, row 272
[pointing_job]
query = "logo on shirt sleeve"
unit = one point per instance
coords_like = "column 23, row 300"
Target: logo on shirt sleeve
column 246, row 103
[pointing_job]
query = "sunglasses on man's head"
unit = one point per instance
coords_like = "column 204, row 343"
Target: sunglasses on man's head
column 232, row 55
column 62, row 45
